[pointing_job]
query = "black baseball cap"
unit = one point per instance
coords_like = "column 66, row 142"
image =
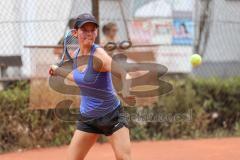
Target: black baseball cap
column 85, row 18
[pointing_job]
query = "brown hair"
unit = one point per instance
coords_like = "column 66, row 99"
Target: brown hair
column 71, row 23
column 107, row 27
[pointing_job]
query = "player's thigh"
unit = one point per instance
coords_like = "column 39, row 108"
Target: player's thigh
column 120, row 142
column 80, row 144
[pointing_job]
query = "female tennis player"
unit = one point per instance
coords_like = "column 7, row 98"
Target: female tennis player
column 105, row 112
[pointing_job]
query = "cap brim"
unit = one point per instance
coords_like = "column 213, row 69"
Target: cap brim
column 89, row 21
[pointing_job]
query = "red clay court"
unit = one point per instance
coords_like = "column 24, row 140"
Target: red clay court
column 204, row 149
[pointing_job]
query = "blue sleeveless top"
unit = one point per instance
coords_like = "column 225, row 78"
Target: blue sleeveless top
column 98, row 96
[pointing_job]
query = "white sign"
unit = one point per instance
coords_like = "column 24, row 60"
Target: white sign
column 175, row 58
column 161, row 31
column 151, row 31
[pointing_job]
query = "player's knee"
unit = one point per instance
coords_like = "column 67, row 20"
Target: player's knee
column 73, row 153
column 124, row 156
column 76, row 157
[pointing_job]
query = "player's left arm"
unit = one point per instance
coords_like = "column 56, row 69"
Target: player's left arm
column 104, row 63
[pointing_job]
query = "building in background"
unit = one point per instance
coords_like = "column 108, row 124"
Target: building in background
column 176, row 24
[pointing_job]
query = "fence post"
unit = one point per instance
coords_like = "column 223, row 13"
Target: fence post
column 95, row 12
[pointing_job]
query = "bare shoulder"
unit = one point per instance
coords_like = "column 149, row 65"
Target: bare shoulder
column 102, row 60
column 101, row 53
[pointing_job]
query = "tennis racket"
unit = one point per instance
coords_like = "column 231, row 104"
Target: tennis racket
column 70, row 44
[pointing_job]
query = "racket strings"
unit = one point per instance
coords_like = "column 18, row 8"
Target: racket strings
column 71, row 44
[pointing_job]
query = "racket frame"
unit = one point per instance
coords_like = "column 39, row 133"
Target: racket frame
column 65, row 51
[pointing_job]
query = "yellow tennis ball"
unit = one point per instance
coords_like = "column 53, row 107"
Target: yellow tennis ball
column 196, row 60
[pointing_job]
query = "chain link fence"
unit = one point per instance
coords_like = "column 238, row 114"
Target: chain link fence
column 166, row 32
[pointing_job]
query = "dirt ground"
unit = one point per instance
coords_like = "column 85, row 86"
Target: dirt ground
column 204, row 149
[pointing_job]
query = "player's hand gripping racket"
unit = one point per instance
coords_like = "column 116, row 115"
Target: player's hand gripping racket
column 70, row 44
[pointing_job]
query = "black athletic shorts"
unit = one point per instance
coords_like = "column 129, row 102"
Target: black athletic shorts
column 106, row 125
